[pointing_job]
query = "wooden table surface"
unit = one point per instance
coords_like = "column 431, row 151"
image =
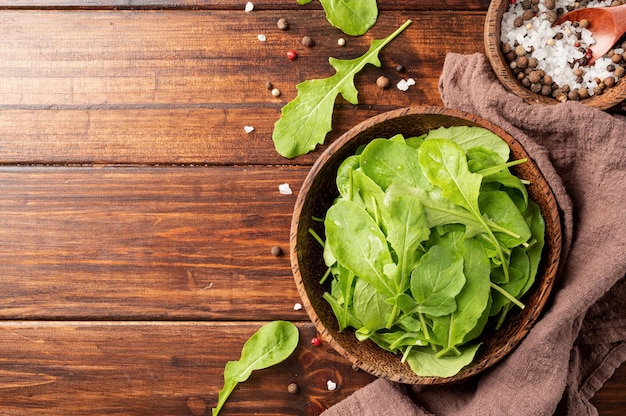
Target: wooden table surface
column 137, row 216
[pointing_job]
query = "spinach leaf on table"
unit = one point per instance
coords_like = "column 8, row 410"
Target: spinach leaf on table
column 271, row 344
column 352, row 17
column 305, row 121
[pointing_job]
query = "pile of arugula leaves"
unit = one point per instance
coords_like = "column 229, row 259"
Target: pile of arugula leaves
column 431, row 240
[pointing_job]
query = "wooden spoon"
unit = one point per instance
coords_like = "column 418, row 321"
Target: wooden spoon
column 607, row 25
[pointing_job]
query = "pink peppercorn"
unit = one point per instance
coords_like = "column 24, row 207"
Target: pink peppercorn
column 292, row 55
column 316, row 342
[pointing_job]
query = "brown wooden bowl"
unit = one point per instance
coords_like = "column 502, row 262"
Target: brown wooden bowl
column 317, row 195
column 493, row 24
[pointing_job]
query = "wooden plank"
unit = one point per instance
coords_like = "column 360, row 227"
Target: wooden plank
column 235, row 4
column 173, row 58
column 138, row 368
column 173, row 368
column 110, row 99
column 610, row 400
column 149, row 243
column 154, row 136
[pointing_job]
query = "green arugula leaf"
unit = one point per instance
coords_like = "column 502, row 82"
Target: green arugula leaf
column 472, row 137
column 426, row 363
column 406, row 231
column 305, row 121
column 455, row 329
column 270, row 345
column 356, row 242
column 387, row 161
column 352, row 17
column 370, row 306
column 445, row 164
column 437, row 281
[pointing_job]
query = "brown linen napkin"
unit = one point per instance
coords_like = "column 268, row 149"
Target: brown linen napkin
column 581, row 339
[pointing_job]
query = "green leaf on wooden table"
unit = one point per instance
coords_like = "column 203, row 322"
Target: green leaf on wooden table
column 270, row 345
column 305, row 121
column 352, row 17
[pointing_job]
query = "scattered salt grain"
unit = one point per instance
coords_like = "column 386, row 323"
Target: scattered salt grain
column 284, row 189
column 297, row 306
column 331, row 385
column 248, row 129
column 404, row 84
column 262, row 38
column 341, row 41
column 249, row 6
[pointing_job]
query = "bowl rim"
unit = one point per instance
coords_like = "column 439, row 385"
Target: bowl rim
column 549, row 268
column 612, row 97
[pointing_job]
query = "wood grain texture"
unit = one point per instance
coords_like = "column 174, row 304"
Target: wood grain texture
column 180, row 94
column 139, row 368
column 165, row 59
column 117, row 243
column 233, row 4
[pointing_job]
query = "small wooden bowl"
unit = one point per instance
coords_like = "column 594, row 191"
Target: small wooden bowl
column 493, row 24
column 317, row 195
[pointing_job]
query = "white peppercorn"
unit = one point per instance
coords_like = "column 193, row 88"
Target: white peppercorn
column 383, row 82
column 283, row 24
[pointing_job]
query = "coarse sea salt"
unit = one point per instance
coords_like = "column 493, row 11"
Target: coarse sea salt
column 248, row 129
column 284, row 189
column 404, row 84
column 556, row 48
column 331, row 385
column 249, row 6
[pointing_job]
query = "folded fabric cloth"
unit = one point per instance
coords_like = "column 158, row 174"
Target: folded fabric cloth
column 581, row 338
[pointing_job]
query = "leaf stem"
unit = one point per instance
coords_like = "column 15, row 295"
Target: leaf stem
column 316, row 236
column 492, row 170
column 326, row 274
column 406, row 353
column 507, row 295
column 424, row 327
column 392, row 317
